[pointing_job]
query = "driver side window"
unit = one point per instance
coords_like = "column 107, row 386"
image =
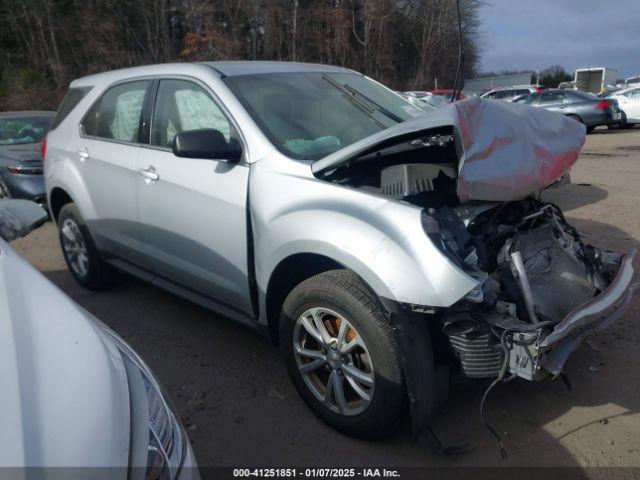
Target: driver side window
column 181, row 106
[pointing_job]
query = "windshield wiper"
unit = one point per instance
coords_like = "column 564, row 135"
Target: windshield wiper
column 361, row 100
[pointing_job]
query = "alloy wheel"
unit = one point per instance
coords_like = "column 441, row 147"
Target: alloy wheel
column 75, row 248
column 334, row 361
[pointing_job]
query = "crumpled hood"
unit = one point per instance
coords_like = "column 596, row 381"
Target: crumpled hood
column 507, row 151
column 64, row 395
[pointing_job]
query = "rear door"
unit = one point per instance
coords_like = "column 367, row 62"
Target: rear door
column 193, row 212
column 106, row 153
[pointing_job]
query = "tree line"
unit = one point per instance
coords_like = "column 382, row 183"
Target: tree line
column 406, row 44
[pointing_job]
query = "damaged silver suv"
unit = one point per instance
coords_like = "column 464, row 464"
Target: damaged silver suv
column 373, row 242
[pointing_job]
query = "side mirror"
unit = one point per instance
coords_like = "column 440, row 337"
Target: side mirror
column 207, row 143
column 19, row 217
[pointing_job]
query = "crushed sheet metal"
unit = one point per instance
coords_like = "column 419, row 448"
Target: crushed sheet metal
column 507, row 151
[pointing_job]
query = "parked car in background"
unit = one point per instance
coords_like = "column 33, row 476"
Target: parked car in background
column 20, row 162
column 509, row 93
column 571, row 85
column 629, row 103
column 74, row 395
column 368, row 239
column 583, row 107
column 632, row 81
column 424, row 100
column 446, row 93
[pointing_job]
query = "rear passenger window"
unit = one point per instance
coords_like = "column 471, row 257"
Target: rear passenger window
column 116, row 116
column 181, row 106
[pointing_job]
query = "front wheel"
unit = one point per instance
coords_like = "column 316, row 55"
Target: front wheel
column 342, row 355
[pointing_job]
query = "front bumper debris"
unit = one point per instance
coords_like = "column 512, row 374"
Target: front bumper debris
column 548, row 354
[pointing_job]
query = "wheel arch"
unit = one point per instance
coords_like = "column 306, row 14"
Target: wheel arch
column 575, row 116
column 58, row 198
column 290, row 272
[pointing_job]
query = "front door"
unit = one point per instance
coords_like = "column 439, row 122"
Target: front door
column 193, row 212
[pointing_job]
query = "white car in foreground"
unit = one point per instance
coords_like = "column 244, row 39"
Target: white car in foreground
column 629, row 102
column 74, row 394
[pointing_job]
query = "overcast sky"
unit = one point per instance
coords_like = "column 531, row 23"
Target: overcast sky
column 574, row 33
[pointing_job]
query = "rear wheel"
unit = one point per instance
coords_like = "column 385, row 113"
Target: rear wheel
column 591, row 129
column 80, row 253
column 341, row 354
column 622, row 124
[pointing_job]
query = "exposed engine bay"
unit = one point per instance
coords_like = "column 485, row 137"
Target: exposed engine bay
column 533, row 268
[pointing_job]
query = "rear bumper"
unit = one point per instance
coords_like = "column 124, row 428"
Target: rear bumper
column 553, row 350
column 601, row 117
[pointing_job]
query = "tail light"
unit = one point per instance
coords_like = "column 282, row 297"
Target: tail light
column 602, row 105
column 43, row 148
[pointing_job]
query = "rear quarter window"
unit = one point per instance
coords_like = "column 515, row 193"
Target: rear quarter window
column 69, row 102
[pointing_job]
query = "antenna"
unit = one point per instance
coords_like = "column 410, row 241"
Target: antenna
column 459, row 81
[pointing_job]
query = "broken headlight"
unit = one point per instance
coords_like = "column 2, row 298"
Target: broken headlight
column 157, row 439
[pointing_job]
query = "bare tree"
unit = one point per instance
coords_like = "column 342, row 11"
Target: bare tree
column 403, row 43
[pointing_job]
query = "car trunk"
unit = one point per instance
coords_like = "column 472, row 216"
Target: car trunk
column 477, row 170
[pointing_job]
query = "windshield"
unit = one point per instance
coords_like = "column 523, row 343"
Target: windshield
column 311, row 115
column 21, row 130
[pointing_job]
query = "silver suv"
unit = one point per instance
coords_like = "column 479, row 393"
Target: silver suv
column 306, row 200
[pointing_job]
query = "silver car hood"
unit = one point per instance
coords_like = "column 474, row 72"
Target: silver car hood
column 64, row 395
column 506, row 151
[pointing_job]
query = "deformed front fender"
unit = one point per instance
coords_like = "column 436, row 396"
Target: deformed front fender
column 381, row 240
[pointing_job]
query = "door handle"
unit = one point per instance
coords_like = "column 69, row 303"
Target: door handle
column 149, row 173
column 83, row 154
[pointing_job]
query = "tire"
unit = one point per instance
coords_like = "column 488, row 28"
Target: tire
column 4, row 190
column 333, row 297
column 622, row 124
column 80, row 252
column 591, row 128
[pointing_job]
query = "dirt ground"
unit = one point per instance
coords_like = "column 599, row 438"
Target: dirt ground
column 230, row 386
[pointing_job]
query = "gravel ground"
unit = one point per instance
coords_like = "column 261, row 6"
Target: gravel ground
column 230, row 386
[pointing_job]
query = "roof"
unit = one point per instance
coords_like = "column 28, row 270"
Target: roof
column 235, row 68
column 510, row 87
column 27, row 113
column 226, row 69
